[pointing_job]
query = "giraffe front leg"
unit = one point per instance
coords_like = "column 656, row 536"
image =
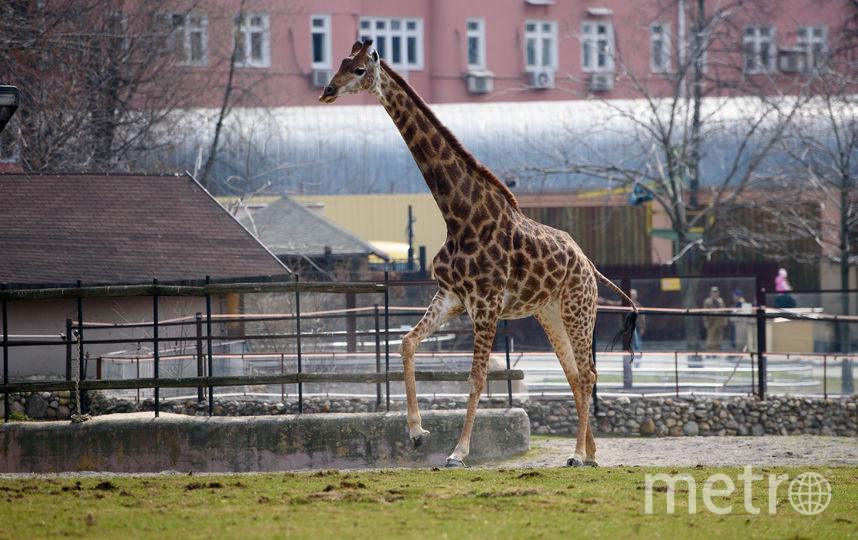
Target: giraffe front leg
column 443, row 306
column 484, row 335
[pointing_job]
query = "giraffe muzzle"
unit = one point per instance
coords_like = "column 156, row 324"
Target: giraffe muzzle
column 329, row 94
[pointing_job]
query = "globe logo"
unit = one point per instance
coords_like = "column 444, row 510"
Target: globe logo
column 809, row 493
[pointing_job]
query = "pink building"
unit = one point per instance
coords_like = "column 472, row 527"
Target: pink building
column 512, row 50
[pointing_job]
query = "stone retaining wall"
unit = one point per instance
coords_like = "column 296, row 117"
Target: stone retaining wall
column 746, row 415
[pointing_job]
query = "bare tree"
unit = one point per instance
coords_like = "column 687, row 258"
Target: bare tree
column 700, row 135
column 105, row 83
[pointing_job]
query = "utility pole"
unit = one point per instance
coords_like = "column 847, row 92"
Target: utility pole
column 411, row 221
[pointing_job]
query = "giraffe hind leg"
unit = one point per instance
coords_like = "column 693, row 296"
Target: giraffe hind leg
column 552, row 323
column 579, row 329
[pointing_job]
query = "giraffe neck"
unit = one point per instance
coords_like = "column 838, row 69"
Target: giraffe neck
column 462, row 186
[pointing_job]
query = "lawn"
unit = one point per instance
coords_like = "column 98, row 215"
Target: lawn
column 606, row 502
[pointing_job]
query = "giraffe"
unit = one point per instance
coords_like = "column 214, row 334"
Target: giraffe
column 496, row 263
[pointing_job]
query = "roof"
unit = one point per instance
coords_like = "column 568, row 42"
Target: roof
column 57, row 229
column 287, row 227
column 345, row 149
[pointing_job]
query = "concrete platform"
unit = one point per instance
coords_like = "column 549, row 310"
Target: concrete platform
column 140, row 442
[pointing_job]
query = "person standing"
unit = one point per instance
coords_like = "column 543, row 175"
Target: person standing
column 743, row 324
column 784, row 299
column 714, row 323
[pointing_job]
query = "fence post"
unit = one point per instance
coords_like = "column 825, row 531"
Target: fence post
column 5, row 356
column 387, row 341
column 68, row 349
column 199, row 330
column 209, row 345
column 761, row 344
column 81, row 357
column 298, row 344
column 155, row 344
column 506, row 352
column 377, row 356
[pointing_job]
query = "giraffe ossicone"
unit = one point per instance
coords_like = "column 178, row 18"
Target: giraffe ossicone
column 496, row 263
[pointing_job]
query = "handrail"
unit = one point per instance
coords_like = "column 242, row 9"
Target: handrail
column 242, row 380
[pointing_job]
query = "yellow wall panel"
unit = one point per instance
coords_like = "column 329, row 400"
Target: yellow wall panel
column 385, row 217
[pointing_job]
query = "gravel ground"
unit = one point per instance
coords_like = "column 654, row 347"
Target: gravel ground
column 769, row 450
column 798, row 450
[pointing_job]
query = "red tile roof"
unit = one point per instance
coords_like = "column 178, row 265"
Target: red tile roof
column 57, row 229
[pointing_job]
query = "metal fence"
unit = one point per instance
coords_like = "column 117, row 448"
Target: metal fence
column 295, row 338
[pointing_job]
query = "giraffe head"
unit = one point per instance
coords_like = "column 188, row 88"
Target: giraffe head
column 358, row 72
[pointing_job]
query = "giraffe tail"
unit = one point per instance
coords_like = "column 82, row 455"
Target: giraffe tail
column 626, row 333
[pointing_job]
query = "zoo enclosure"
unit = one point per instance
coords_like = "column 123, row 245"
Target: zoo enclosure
column 367, row 339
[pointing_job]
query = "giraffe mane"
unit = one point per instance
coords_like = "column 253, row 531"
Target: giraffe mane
column 445, row 132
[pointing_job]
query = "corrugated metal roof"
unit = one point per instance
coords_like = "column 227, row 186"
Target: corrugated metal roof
column 343, row 149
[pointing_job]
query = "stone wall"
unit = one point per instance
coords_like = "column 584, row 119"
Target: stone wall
column 651, row 416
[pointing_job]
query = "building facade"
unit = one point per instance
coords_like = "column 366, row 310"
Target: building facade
column 505, row 50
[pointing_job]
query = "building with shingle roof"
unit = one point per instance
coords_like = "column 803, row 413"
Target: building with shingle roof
column 308, row 242
column 57, row 229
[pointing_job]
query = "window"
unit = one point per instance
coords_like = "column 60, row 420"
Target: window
column 660, row 47
column 540, row 44
column 191, row 39
column 399, row 41
column 320, row 31
column 251, row 40
column 759, row 48
column 597, row 46
column 9, row 143
column 814, row 41
column 185, row 36
column 698, row 49
column 476, row 36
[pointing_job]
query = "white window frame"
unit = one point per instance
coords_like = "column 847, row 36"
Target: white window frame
column 813, row 38
column 537, row 40
column 248, row 25
column 659, row 38
column 597, row 46
column 475, row 32
column 404, row 31
column 179, row 29
column 9, row 141
column 703, row 53
column 754, row 42
column 194, row 26
column 323, row 30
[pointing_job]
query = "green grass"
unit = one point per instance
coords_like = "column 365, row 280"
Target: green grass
column 417, row 503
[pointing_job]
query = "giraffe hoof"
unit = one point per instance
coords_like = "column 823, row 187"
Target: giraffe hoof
column 574, row 462
column 420, row 439
column 591, row 463
column 453, row 463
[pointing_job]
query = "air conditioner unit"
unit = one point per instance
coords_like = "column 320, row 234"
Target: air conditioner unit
column 601, row 82
column 542, row 79
column 320, row 78
column 793, row 60
column 480, row 82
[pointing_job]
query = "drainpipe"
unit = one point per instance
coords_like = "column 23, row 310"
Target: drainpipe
column 683, row 43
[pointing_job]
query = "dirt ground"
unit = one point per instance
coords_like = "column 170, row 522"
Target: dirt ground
column 796, row 451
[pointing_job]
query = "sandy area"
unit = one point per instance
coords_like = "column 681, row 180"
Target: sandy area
column 796, row 451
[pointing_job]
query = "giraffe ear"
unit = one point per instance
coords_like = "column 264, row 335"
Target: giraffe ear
column 374, row 55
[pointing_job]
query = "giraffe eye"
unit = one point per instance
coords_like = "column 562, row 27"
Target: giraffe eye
column 360, row 71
